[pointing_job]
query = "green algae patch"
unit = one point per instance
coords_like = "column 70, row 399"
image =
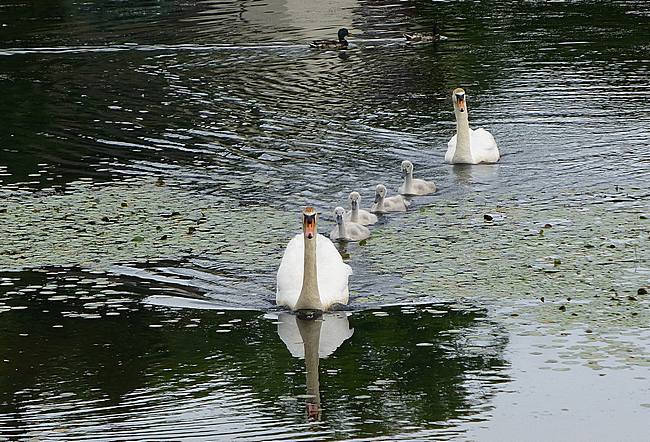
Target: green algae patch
column 100, row 225
column 580, row 269
column 551, row 270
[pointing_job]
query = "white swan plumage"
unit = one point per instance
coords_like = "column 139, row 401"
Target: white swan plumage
column 469, row 146
column 414, row 186
column 312, row 274
column 347, row 230
column 385, row 203
column 358, row 215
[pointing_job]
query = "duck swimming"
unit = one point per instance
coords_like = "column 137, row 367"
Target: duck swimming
column 425, row 37
column 341, row 43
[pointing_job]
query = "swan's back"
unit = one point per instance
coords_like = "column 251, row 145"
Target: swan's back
column 354, row 232
column 418, row 187
column 365, row 218
column 396, row 203
column 482, row 146
column 332, row 273
column 358, row 232
column 451, row 149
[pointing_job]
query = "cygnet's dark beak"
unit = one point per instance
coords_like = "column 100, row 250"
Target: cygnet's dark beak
column 339, row 219
column 354, row 204
column 377, row 197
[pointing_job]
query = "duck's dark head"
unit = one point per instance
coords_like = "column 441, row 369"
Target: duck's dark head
column 343, row 32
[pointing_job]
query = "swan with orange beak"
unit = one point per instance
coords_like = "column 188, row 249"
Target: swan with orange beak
column 312, row 276
column 469, row 146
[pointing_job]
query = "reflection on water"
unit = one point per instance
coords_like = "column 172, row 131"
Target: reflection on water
column 311, row 340
column 85, row 360
column 229, row 97
column 478, row 175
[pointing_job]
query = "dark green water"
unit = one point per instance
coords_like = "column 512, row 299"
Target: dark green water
column 139, row 309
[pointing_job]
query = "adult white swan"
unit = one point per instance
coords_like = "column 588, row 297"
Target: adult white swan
column 469, row 146
column 312, row 274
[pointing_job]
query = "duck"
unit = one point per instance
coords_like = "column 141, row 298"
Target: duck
column 425, row 37
column 347, row 230
column 385, row 204
column 469, row 146
column 341, row 43
column 312, row 276
column 414, row 186
column 357, row 215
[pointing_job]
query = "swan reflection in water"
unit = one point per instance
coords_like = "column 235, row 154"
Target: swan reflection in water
column 476, row 174
column 312, row 339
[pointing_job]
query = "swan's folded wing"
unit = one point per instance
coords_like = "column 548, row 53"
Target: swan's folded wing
column 363, row 232
column 289, row 278
column 451, row 144
column 371, row 217
column 451, row 149
column 484, row 146
column 333, row 273
column 484, row 138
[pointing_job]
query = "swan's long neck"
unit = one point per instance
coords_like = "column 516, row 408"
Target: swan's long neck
column 380, row 204
column 463, row 152
column 354, row 216
column 310, row 333
column 309, row 298
column 342, row 229
column 408, row 182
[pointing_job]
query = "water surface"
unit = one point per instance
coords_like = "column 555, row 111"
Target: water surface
column 154, row 157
